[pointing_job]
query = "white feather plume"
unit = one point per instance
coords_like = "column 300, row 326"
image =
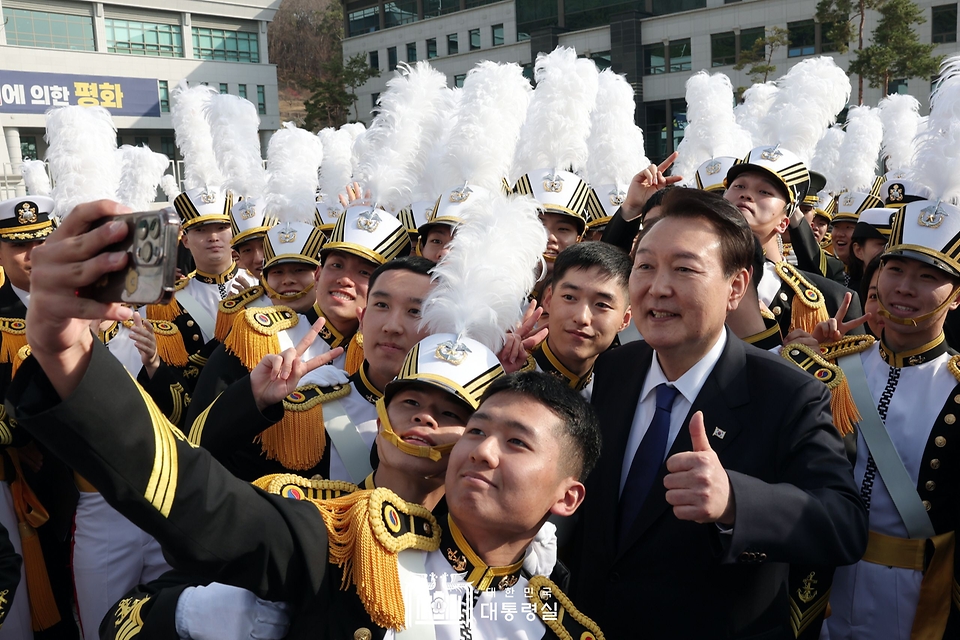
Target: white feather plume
column 235, row 127
column 482, row 283
column 554, row 134
column 35, row 177
column 438, row 118
column 811, row 95
column 756, row 102
column 900, row 115
column 857, row 162
column 82, row 154
column 712, row 129
column 388, row 166
column 187, row 111
column 615, row 142
column 827, row 155
column 937, row 159
column 337, row 167
column 169, row 186
column 293, row 160
column 142, row 172
column 438, row 173
column 492, row 110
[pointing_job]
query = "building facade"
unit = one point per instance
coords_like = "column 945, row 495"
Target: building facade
column 656, row 44
column 127, row 56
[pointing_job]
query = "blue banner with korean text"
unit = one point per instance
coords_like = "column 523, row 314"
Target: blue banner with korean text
column 29, row 92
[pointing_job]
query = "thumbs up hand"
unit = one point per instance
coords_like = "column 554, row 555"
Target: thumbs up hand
column 697, row 485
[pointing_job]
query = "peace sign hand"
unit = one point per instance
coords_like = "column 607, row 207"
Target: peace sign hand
column 835, row 328
column 277, row 376
column 644, row 185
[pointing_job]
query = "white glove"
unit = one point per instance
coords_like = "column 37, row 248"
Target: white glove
column 222, row 612
column 325, row 376
column 241, row 282
column 542, row 552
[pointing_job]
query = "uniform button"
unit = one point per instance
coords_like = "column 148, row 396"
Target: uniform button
column 783, row 296
column 927, row 505
column 956, row 399
column 744, row 557
column 931, row 485
column 615, row 576
column 940, row 441
column 949, row 418
column 935, row 464
column 776, row 311
column 190, row 323
column 195, row 337
column 362, row 634
column 763, row 557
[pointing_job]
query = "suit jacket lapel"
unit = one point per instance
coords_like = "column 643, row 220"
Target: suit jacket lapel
column 725, row 388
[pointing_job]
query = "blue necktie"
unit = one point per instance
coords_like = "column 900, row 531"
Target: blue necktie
column 646, row 462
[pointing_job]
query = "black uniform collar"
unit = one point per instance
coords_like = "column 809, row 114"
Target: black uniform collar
column 328, row 333
column 110, row 333
column 924, row 353
column 362, row 384
column 769, row 337
column 549, row 363
column 464, row 560
column 216, row 278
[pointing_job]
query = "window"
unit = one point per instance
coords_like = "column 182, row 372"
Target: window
column 943, row 26
column 431, row 48
column 803, row 38
column 680, row 55
column 375, row 60
column 230, row 46
column 168, row 147
column 601, row 59
column 224, row 88
column 399, row 12
column 749, row 36
column 141, row 141
column 723, row 48
column 164, row 96
column 143, row 38
column 453, row 44
column 261, row 100
column 392, row 58
column 474, row 39
column 363, row 21
column 497, row 30
column 28, row 147
column 242, row 91
column 672, row 6
column 26, row 28
column 827, row 45
column 459, row 79
column 433, row 8
column 411, row 52
column 898, row 85
column 655, row 131
column 654, row 59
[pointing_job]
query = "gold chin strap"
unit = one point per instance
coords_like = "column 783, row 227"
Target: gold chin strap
column 434, row 453
column 882, row 310
column 286, row 297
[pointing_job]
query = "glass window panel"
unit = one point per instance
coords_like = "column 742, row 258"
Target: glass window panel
column 680, row 59
column 261, row 100
column 453, row 44
column 458, row 80
column 749, row 36
column 363, row 21
column 219, row 44
column 654, row 59
column 802, row 38
column 431, row 48
column 943, row 25
column 411, row 52
column 474, row 39
column 27, row 28
column 392, row 58
column 723, row 49
column 497, row 34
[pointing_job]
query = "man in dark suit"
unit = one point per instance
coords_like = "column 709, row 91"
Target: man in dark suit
column 720, row 464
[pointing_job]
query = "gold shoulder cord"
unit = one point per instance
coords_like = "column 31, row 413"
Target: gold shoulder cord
column 564, row 619
column 13, row 337
column 255, row 334
column 813, row 361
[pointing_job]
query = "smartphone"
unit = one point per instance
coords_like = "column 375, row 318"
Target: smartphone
column 151, row 270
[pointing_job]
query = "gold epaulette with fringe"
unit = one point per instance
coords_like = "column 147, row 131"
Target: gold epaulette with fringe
column 172, row 310
column 289, row 485
column 366, row 530
column 170, row 345
column 953, row 365
column 808, row 308
column 845, row 346
column 298, row 440
column 22, row 354
column 842, row 405
column 254, row 333
column 557, row 612
column 13, row 337
column 353, row 358
column 228, row 308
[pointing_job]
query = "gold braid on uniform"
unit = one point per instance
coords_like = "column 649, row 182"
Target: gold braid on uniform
column 558, row 613
column 808, row 308
column 299, row 439
column 845, row 346
column 953, row 366
column 22, row 354
column 842, row 405
column 354, row 355
column 366, row 530
column 255, row 335
column 289, row 485
column 13, row 337
column 170, row 346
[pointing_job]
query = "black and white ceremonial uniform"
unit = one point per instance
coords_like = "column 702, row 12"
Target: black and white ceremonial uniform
column 544, row 360
column 783, row 287
column 216, row 525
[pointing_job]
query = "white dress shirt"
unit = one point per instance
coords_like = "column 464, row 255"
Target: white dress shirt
column 689, row 386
